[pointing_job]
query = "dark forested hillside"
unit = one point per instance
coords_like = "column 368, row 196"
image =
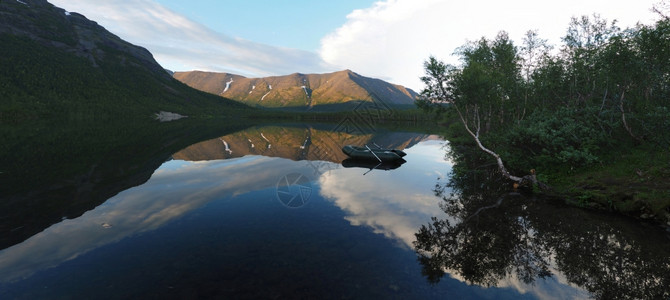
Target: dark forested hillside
column 55, row 63
column 76, row 104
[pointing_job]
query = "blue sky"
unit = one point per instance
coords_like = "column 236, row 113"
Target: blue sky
column 387, row 39
column 294, row 24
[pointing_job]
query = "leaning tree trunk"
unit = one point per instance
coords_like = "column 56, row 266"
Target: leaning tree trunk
column 525, row 180
column 623, row 118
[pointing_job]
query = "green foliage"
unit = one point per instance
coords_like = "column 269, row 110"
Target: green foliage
column 43, row 82
column 487, row 89
column 554, row 140
column 656, row 122
column 605, row 88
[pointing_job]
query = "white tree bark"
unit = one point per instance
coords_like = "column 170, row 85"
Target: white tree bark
column 528, row 179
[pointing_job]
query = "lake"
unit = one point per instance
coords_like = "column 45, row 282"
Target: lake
column 276, row 212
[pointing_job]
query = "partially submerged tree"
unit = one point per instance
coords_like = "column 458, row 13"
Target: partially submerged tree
column 604, row 88
column 486, row 92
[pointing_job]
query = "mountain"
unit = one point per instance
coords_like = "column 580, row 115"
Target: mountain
column 75, row 116
column 59, row 64
column 295, row 143
column 299, row 90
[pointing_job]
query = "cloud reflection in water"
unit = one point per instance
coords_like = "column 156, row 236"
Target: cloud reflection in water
column 174, row 190
column 394, row 203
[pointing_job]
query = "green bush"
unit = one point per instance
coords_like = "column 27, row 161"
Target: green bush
column 555, row 140
column 656, row 123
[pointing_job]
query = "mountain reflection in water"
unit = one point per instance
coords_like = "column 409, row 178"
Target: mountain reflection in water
column 215, row 227
column 211, row 223
column 295, row 143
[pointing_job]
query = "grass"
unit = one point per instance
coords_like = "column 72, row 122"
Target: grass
column 633, row 182
column 629, row 179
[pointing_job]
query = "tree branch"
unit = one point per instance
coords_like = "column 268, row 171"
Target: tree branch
column 475, row 136
column 623, row 118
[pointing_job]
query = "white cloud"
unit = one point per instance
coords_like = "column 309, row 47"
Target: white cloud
column 389, row 40
column 392, row 39
column 181, row 44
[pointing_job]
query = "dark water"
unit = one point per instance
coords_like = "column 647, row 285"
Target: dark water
column 270, row 213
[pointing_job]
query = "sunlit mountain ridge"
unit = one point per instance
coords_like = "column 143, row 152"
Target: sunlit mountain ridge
column 299, row 90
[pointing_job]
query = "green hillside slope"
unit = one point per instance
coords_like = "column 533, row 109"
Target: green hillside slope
column 56, row 64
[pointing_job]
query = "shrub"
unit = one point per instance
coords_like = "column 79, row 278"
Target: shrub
column 555, row 140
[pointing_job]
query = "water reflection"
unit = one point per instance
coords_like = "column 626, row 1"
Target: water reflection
column 171, row 193
column 220, row 220
column 223, row 220
column 492, row 238
column 53, row 171
column 390, row 203
column 371, row 164
column 300, row 142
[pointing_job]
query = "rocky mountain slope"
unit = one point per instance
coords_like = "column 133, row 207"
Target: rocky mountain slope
column 299, row 90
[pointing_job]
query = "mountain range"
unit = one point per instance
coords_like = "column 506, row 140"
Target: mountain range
column 76, row 108
column 299, row 90
column 57, row 64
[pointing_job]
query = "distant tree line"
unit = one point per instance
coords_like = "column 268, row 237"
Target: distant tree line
column 604, row 87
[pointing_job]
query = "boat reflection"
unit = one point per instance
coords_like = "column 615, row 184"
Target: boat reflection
column 300, row 142
column 372, row 164
column 233, row 212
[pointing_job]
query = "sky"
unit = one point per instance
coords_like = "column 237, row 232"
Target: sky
column 388, row 39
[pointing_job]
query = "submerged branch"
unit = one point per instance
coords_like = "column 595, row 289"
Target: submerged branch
column 498, row 203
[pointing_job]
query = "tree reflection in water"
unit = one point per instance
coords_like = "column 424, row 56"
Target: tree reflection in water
column 489, row 235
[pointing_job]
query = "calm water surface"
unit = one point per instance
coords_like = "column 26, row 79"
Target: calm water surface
column 271, row 213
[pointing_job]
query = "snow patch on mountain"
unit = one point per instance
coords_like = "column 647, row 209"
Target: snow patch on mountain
column 166, row 116
column 227, row 85
column 226, row 146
